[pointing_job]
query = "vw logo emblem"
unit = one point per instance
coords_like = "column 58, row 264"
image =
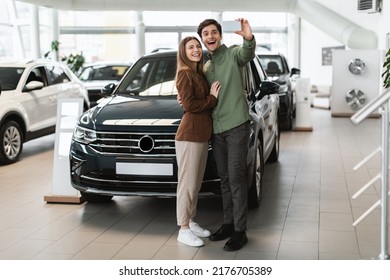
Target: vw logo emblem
column 146, row 144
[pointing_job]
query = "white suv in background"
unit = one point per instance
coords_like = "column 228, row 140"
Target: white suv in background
column 29, row 92
column 95, row 76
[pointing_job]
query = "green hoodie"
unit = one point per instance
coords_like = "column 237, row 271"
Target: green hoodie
column 226, row 66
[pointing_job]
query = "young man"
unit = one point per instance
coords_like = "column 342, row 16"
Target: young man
column 230, row 126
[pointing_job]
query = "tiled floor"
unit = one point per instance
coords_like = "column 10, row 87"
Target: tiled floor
column 306, row 213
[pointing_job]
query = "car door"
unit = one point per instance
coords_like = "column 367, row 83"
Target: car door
column 37, row 102
column 59, row 86
column 261, row 106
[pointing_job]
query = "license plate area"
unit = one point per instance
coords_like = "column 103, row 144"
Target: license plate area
column 144, row 168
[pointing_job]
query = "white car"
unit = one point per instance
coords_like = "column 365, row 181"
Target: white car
column 99, row 74
column 29, row 92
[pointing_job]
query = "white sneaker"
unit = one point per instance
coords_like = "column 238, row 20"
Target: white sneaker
column 187, row 237
column 200, row 232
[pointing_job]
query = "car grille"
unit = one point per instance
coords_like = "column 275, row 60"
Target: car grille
column 136, row 144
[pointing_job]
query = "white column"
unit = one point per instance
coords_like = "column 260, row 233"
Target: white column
column 34, row 34
column 140, row 34
column 218, row 16
column 19, row 52
column 54, row 30
column 294, row 40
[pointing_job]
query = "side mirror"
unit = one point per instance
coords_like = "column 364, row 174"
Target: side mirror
column 295, row 71
column 33, row 85
column 268, row 87
column 108, row 89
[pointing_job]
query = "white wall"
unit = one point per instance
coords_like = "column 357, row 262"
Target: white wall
column 313, row 39
column 312, row 42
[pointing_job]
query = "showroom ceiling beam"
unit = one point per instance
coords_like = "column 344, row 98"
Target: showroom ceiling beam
column 340, row 28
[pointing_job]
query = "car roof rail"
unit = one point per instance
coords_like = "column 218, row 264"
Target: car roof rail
column 39, row 60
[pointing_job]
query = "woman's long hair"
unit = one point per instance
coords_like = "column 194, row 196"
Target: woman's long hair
column 184, row 63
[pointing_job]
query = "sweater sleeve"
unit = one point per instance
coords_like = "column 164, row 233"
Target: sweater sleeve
column 246, row 52
column 186, row 90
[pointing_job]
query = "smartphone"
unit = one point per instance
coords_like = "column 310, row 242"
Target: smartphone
column 231, row 25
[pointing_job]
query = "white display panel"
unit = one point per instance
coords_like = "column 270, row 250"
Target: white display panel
column 303, row 118
column 68, row 112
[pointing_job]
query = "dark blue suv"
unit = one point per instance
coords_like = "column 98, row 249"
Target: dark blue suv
column 125, row 145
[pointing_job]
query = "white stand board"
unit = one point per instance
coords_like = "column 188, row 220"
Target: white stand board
column 303, row 106
column 68, row 112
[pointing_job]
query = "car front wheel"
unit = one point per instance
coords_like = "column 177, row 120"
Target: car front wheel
column 11, row 142
column 256, row 187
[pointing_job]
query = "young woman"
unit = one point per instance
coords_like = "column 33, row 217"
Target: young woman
column 192, row 137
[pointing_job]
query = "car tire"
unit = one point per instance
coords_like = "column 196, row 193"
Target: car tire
column 274, row 156
column 11, row 138
column 95, row 198
column 292, row 113
column 289, row 124
column 256, row 186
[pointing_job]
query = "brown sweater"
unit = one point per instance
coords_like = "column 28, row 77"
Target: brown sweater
column 196, row 123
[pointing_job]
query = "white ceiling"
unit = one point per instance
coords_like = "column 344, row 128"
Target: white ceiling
column 343, row 30
column 168, row 5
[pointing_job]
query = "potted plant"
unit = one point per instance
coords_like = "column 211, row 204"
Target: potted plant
column 386, row 73
column 74, row 61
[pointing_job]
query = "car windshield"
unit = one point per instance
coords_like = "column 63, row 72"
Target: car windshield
column 103, row 72
column 151, row 77
column 9, row 77
column 273, row 65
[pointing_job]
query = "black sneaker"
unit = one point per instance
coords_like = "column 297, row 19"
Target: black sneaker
column 236, row 242
column 225, row 231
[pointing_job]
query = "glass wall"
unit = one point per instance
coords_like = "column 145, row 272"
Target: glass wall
column 6, row 29
column 15, row 29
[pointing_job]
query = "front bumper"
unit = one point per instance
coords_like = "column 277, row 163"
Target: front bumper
column 104, row 174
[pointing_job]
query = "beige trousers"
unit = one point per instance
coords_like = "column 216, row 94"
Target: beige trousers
column 191, row 160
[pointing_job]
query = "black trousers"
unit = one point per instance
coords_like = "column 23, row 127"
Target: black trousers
column 230, row 150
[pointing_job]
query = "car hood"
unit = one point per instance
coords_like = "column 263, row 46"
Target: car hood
column 120, row 112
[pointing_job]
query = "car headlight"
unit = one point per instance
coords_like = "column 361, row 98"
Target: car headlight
column 84, row 135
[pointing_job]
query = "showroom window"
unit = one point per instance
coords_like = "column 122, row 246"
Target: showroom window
column 15, row 29
column 98, row 35
column 110, row 35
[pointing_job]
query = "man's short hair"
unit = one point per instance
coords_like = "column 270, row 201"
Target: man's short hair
column 208, row 22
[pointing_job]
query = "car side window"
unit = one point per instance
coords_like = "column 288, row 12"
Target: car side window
column 87, row 74
column 111, row 73
column 274, row 65
column 56, row 75
column 163, row 70
column 136, row 80
column 166, row 70
column 9, row 77
column 35, row 75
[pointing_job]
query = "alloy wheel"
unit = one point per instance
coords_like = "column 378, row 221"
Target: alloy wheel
column 12, row 142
